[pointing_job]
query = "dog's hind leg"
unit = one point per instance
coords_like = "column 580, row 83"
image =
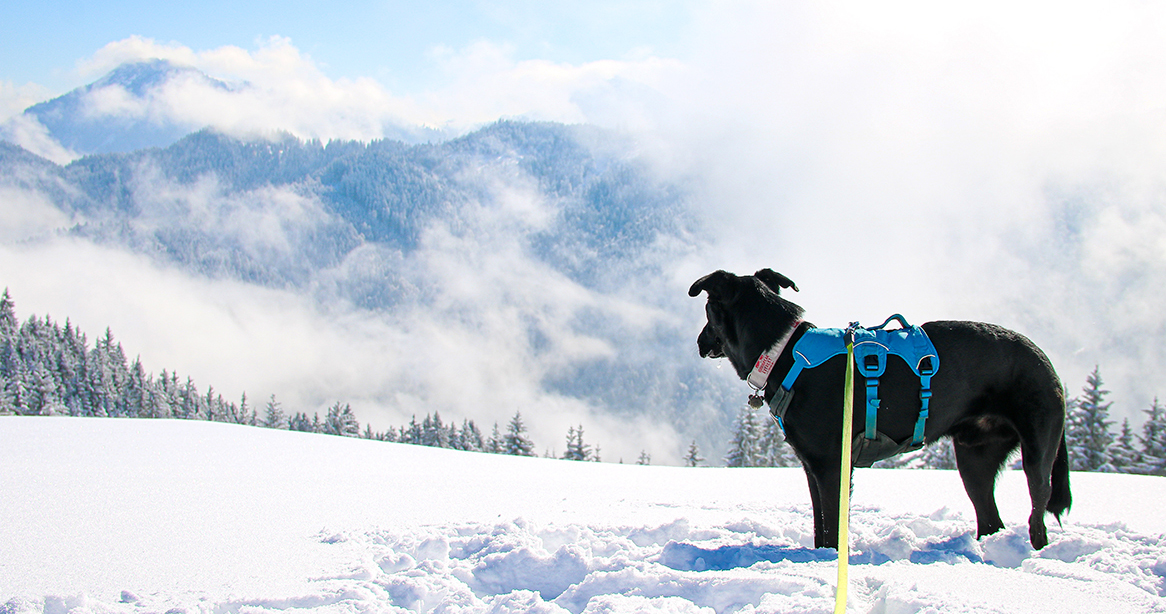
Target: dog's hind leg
column 979, row 463
column 1061, row 499
column 1040, row 441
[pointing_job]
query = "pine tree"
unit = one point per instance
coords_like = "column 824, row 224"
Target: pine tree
column 1123, row 458
column 300, row 422
column 8, row 321
column 515, row 441
column 774, row 451
column 433, row 432
column 744, row 447
column 274, row 418
column 939, row 455
column 1153, row 440
column 412, row 433
column 243, row 414
column 494, row 443
column 469, row 437
column 693, row 457
column 340, row 421
column 645, row 458
column 1088, row 435
column 576, row 448
column 7, row 407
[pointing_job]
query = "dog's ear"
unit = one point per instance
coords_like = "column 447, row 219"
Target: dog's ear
column 719, row 284
column 776, row 281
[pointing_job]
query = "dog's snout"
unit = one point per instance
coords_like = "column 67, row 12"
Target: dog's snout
column 709, row 345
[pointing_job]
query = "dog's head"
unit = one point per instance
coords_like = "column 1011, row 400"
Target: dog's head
column 745, row 315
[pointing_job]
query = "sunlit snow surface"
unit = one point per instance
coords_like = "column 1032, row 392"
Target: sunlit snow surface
column 141, row 516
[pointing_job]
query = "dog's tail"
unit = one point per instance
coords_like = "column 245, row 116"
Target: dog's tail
column 1060, row 500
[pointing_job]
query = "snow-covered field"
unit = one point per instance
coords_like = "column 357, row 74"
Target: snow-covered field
column 141, row 516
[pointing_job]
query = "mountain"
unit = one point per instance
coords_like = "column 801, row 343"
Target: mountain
column 154, row 103
column 114, row 113
column 562, row 231
column 599, row 205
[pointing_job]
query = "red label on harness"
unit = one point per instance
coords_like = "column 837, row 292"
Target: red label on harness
column 764, row 364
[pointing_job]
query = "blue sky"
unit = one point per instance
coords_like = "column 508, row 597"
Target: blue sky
column 391, row 41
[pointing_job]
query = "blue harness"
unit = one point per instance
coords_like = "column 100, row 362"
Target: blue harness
column 871, row 346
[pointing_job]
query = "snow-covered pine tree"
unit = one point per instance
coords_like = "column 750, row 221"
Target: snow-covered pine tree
column 494, row 442
column 645, row 458
column 451, row 435
column 241, row 414
column 341, row 421
column 775, row 452
column 515, row 442
column 576, row 448
column 273, row 417
column 412, row 433
column 1123, row 457
column 470, row 438
column 433, row 432
column 938, row 455
column 300, row 422
column 1153, row 440
column 693, row 457
column 8, row 322
column 745, row 444
column 6, row 406
column 1088, row 436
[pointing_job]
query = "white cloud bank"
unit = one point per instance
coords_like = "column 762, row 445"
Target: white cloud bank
column 987, row 161
column 287, row 91
column 994, row 162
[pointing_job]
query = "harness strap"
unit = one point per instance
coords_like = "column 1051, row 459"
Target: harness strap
column 872, row 407
column 871, row 363
column 926, row 370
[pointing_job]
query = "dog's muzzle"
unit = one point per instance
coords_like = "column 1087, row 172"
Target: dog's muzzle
column 709, row 345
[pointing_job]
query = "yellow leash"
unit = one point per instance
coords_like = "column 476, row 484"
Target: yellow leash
column 844, row 482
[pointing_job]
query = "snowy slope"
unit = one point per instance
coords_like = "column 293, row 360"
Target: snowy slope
column 127, row 516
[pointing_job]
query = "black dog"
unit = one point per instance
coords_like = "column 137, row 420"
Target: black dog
column 994, row 391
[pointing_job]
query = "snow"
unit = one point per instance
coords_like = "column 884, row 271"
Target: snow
column 113, row 516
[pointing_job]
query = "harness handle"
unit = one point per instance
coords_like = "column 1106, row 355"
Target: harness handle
column 902, row 322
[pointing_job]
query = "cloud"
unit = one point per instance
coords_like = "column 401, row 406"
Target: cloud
column 484, row 82
column 993, row 162
column 27, row 214
column 919, row 158
column 16, row 98
column 27, row 132
column 285, row 90
column 486, row 328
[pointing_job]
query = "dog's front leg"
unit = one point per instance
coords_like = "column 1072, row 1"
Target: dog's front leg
column 816, row 502
column 823, row 483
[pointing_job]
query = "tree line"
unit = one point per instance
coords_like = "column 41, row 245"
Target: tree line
column 50, row 369
column 1089, row 436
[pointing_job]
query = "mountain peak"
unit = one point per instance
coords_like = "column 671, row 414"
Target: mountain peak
column 79, row 123
column 138, row 78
